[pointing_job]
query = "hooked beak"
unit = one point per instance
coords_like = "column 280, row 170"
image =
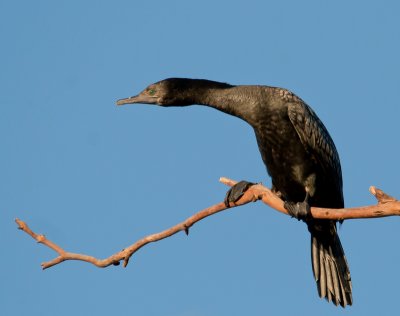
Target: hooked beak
column 140, row 98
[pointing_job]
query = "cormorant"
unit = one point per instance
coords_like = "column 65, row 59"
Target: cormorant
column 299, row 155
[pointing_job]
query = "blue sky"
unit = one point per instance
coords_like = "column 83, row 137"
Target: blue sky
column 95, row 177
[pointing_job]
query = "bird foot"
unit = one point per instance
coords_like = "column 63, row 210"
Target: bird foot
column 236, row 192
column 299, row 210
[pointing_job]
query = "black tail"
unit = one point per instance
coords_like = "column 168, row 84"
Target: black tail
column 331, row 271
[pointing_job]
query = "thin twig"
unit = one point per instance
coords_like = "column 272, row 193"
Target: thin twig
column 387, row 206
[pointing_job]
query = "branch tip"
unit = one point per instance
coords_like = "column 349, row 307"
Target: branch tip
column 381, row 196
column 227, row 181
column 19, row 223
column 126, row 261
column 372, row 189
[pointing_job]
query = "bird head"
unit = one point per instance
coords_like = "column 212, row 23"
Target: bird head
column 168, row 92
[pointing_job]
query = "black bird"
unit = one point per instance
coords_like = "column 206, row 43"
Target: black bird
column 298, row 152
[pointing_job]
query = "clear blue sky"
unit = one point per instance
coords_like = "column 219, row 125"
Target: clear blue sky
column 95, row 177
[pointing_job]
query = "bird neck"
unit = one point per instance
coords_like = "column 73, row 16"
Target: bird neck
column 239, row 101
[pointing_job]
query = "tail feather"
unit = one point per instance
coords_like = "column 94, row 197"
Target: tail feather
column 331, row 271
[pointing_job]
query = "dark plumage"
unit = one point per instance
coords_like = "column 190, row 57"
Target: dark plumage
column 298, row 152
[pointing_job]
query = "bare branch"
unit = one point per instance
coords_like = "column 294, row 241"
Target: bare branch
column 387, row 206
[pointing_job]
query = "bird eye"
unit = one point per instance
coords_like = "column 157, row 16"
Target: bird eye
column 152, row 92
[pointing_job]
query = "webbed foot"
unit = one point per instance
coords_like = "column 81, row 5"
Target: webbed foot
column 299, row 210
column 236, row 192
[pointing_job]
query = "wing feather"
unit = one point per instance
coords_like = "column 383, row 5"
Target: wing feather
column 315, row 139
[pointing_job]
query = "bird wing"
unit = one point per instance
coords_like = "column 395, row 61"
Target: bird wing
column 315, row 138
